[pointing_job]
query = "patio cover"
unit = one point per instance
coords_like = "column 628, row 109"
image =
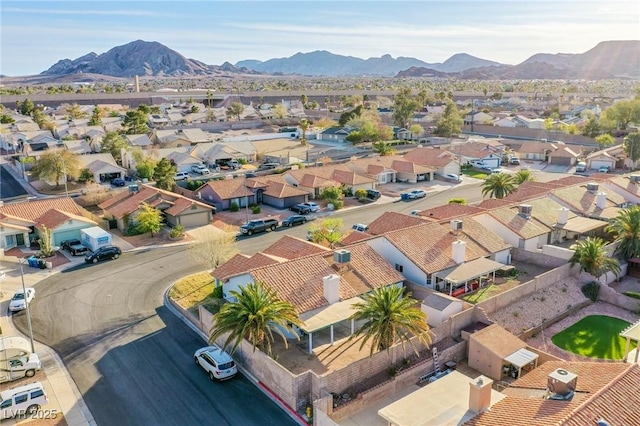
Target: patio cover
column 329, row 315
column 632, row 332
column 581, row 225
column 521, row 357
column 469, row 270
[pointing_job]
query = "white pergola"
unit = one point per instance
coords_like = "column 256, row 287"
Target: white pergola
column 631, row 333
column 328, row 317
column 521, row 358
column 462, row 274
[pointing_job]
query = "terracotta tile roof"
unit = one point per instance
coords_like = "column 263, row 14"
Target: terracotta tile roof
column 525, row 228
column 564, row 152
column 607, row 391
column 354, row 237
column 127, row 203
column 313, row 181
column 535, row 147
column 241, row 264
column 546, row 210
column 449, row 211
column 255, row 183
column 498, row 340
column 474, row 150
column 283, row 190
column 527, row 190
column 404, row 166
column 33, row 210
column 289, row 247
column 180, row 205
column 230, row 188
column 568, row 181
column 492, row 203
column 626, row 184
column 392, row 221
column 350, row 178
column 374, row 270
column 54, row 218
column 580, row 200
column 477, row 232
column 435, row 256
column 430, row 157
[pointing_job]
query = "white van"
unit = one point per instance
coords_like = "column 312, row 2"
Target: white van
column 22, row 400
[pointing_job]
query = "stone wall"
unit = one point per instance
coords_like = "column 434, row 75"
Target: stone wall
column 536, row 258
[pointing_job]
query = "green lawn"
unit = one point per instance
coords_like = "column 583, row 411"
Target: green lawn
column 595, row 336
column 474, row 174
column 489, row 291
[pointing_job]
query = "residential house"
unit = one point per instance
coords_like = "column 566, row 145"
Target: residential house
column 625, row 186
column 392, row 168
column 337, row 134
column 315, row 179
column 589, row 200
column 444, row 162
column 477, row 152
column 169, row 138
column 563, row 156
column 536, row 150
column 289, row 247
column 22, row 223
column 478, row 117
column 176, row 209
column 183, row 160
column 142, row 141
column 103, row 167
column 613, row 157
column 516, row 226
column 509, row 122
column 449, row 211
column 79, row 147
column 224, row 193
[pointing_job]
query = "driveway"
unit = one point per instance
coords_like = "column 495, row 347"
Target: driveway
column 556, row 168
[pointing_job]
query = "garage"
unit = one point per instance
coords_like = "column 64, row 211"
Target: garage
column 60, row 236
column 596, row 164
column 560, row 161
column 195, row 219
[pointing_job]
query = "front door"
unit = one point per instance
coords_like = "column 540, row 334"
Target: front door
column 20, row 240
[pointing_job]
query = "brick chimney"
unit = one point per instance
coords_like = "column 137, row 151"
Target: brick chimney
column 480, row 394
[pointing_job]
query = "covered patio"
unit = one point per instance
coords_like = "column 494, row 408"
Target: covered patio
column 327, row 318
column 632, row 333
column 466, row 277
column 578, row 226
column 514, row 363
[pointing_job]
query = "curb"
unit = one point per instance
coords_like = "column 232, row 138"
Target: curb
column 261, row 386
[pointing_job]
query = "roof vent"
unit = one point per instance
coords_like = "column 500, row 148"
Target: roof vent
column 592, row 187
column 562, row 384
column 634, row 178
column 342, row 256
column 456, row 226
column 133, row 189
column 524, row 210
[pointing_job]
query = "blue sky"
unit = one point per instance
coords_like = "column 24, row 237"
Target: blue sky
column 36, row 34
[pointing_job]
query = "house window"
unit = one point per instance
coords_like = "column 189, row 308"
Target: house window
column 399, row 267
column 194, row 207
column 10, row 240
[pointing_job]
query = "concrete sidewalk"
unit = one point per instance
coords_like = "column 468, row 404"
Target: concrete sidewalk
column 63, row 393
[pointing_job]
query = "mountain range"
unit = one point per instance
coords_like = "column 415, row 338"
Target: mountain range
column 607, row 60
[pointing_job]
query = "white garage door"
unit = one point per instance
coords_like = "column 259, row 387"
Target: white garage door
column 596, row 164
column 194, row 220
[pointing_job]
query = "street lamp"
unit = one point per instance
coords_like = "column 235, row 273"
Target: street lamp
column 64, row 169
column 26, row 304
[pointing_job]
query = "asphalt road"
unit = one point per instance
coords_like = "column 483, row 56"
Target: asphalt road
column 9, row 187
column 131, row 358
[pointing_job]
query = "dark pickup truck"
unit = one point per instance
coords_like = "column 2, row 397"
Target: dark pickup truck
column 255, row 226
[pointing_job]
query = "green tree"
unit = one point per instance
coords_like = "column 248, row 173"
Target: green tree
column 498, row 185
column 56, row 163
column 74, row 111
column 390, row 318
column 235, row 110
column 347, row 116
column 135, row 122
column 593, row 259
column 404, row 106
column 304, row 99
column 86, row 176
column 523, row 176
column 332, row 193
column 622, row 113
column 605, row 140
column 304, row 126
column 626, row 229
column 6, row 119
column 383, row 148
column 164, row 173
column 26, row 107
column 631, row 146
column 451, row 122
column 146, row 167
column 96, row 117
column 114, row 143
column 46, row 242
column 416, row 130
column 149, row 219
column 592, row 128
column 328, row 232
column 257, row 313
column 457, row 201
column 279, row 111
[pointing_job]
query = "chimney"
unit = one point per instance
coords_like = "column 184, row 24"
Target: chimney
column 563, row 216
column 331, row 288
column 480, row 394
column 137, row 84
column 458, row 249
column 601, row 200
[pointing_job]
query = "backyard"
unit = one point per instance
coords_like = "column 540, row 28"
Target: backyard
column 594, row 336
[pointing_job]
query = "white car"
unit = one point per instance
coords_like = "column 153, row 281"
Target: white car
column 313, row 206
column 417, row 193
column 455, row 177
column 200, row 169
column 217, row 363
column 21, row 299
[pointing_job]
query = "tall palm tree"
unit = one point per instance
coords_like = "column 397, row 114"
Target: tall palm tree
column 304, row 126
column 255, row 316
column 592, row 257
column 498, row 185
column 383, row 148
column 390, row 317
column 523, row 176
column 626, row 229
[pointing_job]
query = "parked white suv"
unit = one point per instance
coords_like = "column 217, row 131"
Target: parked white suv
column 200, row 169
column 22, row 400
column 181, row 176
column 217, row 363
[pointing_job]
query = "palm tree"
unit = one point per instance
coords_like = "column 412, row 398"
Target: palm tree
column 626, row 229
column 383, row 148
column 390, row 317
column 304, row 125
column 593, row 259
column 257, row 313
column 498, row 185
column 523, row 176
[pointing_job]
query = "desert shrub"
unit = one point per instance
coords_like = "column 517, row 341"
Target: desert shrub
column 255, row 210
column 457, row 201
column 361, row 194
column 177, row 231
column 337, row 204
column 591, row 290
column 192, row 185
column 234, row 207
column 217, row 292
column 633, row 294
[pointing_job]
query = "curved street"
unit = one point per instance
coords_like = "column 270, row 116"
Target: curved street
column 131, row 358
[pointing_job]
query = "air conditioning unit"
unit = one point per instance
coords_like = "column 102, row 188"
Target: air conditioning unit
column 525, row 209
column 342, row 256
column 593, row 187
column 133, row 189
column 562, row 382
column 634, row 178
column 456, row 225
